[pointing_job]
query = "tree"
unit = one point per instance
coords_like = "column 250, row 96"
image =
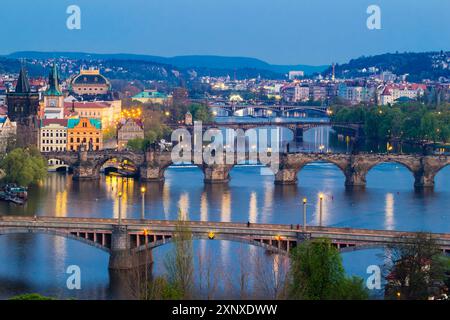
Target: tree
column 30, row 296
column 180, row 263
column 24, row 166
column 200, row 112
column 317, row 273
column 415, row 268
column 138, row 144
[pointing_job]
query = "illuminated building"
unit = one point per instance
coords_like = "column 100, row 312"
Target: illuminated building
column 84, row 131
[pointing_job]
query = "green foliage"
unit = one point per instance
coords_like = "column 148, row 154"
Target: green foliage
column 200, row 112
column 317, row 274
column 408, row 121
column 30, row 296
column 109, row 133
column 138, row 144
column 180, row 263
column 415, row 267
column 24, row 166
column 161, row 289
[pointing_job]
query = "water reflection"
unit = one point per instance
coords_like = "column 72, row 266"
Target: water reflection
column 389, row 224
column 37, row 263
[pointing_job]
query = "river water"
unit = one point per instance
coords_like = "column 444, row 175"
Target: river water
column 38, row 263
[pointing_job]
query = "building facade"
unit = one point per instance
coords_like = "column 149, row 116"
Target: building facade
column 151, row 96
column 84, row 131
column 53, row 104
column 8, row 131
column 130, row 129
column 108, row 112
column 53, row 135
column 90, row 82
column 23, row 108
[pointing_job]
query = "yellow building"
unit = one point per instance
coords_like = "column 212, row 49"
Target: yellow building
column 84, row 131
column 108, row 112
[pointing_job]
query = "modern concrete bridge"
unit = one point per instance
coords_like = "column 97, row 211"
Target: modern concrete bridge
column 355, row 167
column 131, row 238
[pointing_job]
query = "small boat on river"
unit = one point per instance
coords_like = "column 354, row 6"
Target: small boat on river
column 13, row 193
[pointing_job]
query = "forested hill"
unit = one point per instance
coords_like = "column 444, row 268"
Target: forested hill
column 419, row 66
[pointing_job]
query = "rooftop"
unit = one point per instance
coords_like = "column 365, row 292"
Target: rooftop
column 150, row 94
column 72, row 123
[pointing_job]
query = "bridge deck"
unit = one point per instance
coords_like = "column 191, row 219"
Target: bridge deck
column 138, row 225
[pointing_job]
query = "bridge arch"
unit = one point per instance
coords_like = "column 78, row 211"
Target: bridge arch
column 67, row 235
column 219, row 237
column 120, row 157
column 438, row 172
column 304, row 108
column 324, row 159
column 401, row 164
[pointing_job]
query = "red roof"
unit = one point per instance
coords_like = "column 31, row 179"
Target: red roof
column 87, row 104
column 46, row 122
column 3, row 110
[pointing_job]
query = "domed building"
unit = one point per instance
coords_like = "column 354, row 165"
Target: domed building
column 90, row 82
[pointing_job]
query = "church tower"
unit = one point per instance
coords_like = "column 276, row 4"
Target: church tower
column 53, row 97
column 23, row 106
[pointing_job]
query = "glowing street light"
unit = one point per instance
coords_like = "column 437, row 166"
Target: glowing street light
column 304, row 214
column 120, row 207
column 143, row 202
column 320, row 208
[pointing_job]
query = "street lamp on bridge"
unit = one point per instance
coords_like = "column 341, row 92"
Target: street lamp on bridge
column 120, row 207
column 304, row 214
column 320, row 208
column 143, row 202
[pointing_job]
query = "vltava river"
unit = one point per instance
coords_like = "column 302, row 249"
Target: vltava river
column 38, row 263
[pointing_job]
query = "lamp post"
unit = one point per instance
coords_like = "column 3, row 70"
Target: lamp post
column 320, row 209
column 120, row 207
column 143, row 202
column 304, row 214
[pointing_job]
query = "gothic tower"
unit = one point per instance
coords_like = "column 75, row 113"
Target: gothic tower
column 53, row 97
column 23, row 107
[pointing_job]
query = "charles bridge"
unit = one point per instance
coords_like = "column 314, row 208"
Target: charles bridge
column 130, row 241
column 153, row 163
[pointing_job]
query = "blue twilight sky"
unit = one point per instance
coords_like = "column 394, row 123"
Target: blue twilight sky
column 278, row 31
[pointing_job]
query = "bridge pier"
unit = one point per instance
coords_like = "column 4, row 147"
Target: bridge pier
column 286, row 176
column 151, row 173
column 298, row 135
column 217, row 173
column 122, row 257
column 423, row 180
column 85, row 171
column 355, row 180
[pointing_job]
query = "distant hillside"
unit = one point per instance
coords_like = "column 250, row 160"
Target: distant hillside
column 191, row 62
column 419, row 66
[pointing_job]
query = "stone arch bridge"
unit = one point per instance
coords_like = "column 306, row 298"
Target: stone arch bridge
column 152, row 165
column 129, row 240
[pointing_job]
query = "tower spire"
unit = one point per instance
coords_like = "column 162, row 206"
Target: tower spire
column 23, row 85
column 53, row 89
